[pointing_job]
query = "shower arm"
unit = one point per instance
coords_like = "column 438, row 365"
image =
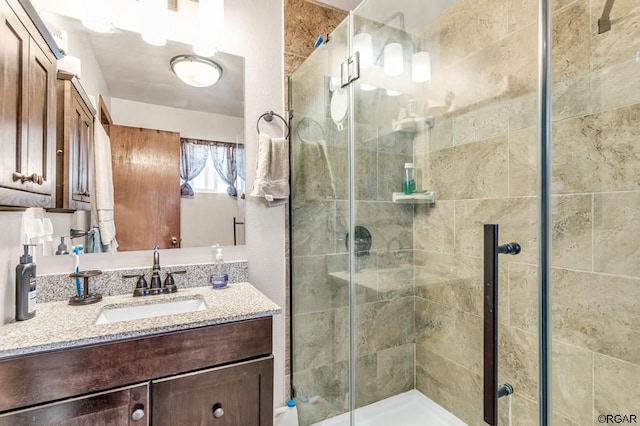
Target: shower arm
column 604, row 23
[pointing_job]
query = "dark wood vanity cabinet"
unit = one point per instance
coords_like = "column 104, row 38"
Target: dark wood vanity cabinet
column 27, row 110
column 119, row 407
column 227, row 396
column 74, row 168
column 214, row 375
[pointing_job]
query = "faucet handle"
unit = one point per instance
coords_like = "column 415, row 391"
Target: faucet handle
column 169, row 283
column 141, row 285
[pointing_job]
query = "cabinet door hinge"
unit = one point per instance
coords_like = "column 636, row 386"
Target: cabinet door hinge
column 350, row 69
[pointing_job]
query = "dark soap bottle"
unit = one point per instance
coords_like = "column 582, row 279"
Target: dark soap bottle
column 25, row 286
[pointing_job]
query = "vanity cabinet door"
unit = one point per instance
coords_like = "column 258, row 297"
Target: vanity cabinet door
column 27, row 114
column 14, row 59
column 41, row 121
column 124, row 406
column 74, row 149
column 238, row 394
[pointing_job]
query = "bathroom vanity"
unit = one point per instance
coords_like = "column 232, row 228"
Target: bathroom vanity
column 213, row 366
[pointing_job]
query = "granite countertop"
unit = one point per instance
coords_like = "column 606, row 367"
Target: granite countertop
column 57, row 325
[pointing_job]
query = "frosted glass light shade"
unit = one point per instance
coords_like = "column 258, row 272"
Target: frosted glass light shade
column 97, row 15
column 363, row 43
column 421, row 67
column 393, row 59
column 367, row 87
column 153, row 17
column 393, row 93
column 209, row 27
column 195, row 70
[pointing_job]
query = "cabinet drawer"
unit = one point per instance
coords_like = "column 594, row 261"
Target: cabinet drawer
column 124, row 406
column 238, row 394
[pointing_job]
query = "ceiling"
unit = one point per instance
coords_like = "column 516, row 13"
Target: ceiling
column 137, row 71
column 342, row 4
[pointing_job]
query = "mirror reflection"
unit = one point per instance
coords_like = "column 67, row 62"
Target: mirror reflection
column 177, row 149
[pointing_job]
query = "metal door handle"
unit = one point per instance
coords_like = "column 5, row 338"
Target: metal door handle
column 491, row 390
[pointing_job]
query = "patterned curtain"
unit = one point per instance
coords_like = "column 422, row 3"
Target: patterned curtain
column 193, row 158
column 225, row 161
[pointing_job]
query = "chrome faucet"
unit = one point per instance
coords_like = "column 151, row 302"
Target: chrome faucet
column 156, row 287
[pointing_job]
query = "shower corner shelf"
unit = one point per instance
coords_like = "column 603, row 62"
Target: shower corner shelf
column 410, row 125
column 428, row 197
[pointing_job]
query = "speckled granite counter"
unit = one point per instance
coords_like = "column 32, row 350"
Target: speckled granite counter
column 58, row 325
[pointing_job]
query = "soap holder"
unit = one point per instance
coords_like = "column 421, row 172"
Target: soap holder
column 86, row 298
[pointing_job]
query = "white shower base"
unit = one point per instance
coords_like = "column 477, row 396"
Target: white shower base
column 410, row 408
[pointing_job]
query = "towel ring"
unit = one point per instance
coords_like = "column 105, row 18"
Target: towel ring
column 307, row 122
column 268, row 117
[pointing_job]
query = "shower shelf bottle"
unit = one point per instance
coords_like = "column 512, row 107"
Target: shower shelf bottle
column 409, row 178
column 219, row 277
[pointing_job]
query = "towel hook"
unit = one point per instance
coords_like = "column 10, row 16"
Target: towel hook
column 268, row 117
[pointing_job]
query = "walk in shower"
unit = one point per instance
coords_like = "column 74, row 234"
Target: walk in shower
column 390, row 308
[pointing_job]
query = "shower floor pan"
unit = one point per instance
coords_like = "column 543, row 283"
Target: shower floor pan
column 410, row 408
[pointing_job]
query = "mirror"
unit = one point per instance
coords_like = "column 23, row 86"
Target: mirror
column 141, row 92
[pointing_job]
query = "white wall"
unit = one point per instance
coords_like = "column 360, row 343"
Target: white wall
column 255, row 31
column 207, row 219
column 190, row 124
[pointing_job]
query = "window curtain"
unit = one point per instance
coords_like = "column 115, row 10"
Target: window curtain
column 193, row 158
column 225, row 161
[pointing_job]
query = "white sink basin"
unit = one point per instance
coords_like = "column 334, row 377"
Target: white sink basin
column 128, row 313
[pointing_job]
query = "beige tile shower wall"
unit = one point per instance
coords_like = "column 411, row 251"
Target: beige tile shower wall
column 481, row 159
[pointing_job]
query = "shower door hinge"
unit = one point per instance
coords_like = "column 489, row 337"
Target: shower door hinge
column 350, row 69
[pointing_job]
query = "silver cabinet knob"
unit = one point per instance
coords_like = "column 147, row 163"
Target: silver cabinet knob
column 137, row 415
column 218, row 411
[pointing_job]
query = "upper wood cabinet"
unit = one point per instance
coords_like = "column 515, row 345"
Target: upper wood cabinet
column 27, row 109
column 74, row 168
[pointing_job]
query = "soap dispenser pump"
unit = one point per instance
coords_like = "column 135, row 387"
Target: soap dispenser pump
column 219, row 278
column 26, row 286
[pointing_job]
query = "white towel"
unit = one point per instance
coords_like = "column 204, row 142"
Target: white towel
column 102, row 205
column 272, row 174
column 313, row 177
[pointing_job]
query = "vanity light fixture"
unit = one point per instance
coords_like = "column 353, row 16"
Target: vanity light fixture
column 363, row 43
column 393, row 59
column 153, row 17
column 209, row 27
column 97, row 15
column 421, row 67
column 195, row 70
column 393, row 93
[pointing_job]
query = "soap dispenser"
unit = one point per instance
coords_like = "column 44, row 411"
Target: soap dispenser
column 26, row 286
column 219, row 278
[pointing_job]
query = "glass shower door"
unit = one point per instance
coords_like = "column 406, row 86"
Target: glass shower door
column 450, row 87
column 320, row 364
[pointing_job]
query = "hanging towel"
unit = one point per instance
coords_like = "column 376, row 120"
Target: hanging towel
column 272, row 174
column 94, row 244
column 313, row 177
column 103, row 182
